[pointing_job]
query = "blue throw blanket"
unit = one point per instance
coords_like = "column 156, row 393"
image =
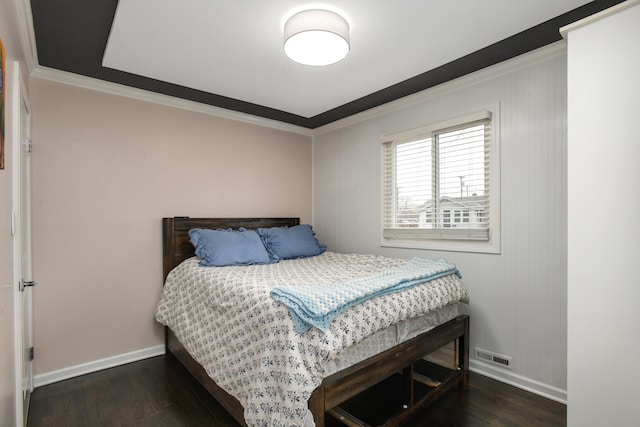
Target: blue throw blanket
column 317, row 305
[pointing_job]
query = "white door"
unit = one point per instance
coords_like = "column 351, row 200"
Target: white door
column 22, row 247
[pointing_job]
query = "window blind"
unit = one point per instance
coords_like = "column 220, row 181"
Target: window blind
column 436, row 183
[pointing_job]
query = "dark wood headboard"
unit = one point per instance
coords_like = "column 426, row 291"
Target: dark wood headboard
column 176, row 246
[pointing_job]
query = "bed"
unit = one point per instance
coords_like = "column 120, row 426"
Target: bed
column 402, row 367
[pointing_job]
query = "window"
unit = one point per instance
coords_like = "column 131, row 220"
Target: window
column 440, row 188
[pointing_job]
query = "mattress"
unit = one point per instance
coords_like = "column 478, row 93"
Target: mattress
column 391, row 336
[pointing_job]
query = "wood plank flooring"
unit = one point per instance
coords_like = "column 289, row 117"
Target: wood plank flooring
column 160, row 392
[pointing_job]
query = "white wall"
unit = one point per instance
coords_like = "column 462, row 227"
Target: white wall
column 518, row 298
column 604, row 245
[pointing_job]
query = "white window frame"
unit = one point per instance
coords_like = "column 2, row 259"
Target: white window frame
column 490, row 246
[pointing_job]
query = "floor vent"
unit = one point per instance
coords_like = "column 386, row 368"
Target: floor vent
column 495, row 358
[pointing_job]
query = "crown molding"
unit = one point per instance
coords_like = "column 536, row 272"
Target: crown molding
column 30, row 52
column 27, row 34
column 156, row 98
column 491, row 72
column 544, row 53
column 564, row 31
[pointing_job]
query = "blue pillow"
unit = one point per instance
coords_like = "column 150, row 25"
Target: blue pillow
column 291, row 242
column 218, row 248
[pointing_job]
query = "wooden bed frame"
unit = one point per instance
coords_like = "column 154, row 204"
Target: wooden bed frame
column 404, row 361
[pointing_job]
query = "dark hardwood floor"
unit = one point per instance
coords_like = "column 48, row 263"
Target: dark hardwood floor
column 160, row 392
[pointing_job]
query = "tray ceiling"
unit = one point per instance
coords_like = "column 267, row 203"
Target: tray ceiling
column 229, row 54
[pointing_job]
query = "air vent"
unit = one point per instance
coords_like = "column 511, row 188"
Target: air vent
column 495, row 358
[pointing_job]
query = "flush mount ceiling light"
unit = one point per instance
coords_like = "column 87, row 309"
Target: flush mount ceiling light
column 316, row 37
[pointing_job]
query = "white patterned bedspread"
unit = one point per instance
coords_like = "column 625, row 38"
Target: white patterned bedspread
column 247, row 343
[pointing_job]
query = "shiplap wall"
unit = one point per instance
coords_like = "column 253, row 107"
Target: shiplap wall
column 519, row 297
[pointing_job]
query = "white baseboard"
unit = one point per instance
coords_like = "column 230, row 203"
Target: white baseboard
column 522, row 382
column 97, row 365
column 482, row 368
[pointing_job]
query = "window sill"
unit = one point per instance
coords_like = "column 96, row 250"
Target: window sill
column 482, row 247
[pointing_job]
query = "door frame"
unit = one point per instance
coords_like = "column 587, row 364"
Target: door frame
column 20, row 97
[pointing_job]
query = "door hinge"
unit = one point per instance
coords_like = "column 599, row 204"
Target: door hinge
column 27, row 284
column 30, row 354
column 28, row 145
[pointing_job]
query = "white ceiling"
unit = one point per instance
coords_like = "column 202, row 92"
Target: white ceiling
column 234, row 48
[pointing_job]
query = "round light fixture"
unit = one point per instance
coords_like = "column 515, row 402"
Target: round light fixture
column 316, row 37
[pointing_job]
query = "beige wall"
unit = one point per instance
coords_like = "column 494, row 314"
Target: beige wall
column 106, row 169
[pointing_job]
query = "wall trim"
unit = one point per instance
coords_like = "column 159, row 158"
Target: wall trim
column 91, row 83
column 479, row 367
column 21, row 384
column 97, row 365
column 519, row 381
column 564, row 31
column 24, row 16
column 30, row 51
column 488, row 73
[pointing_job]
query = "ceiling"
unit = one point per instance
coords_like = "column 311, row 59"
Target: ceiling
column 229, row 53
